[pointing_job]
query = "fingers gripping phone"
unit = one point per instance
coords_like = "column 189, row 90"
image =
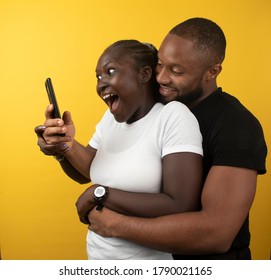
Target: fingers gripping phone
column 52, row 98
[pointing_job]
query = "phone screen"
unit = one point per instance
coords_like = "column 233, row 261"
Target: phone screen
column 52, row 97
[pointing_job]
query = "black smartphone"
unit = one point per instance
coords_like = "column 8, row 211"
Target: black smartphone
column 52, row 97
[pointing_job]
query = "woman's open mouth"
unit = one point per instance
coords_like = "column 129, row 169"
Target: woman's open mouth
column 112, row 100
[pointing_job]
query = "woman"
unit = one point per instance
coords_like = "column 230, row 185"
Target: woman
column 144, row 158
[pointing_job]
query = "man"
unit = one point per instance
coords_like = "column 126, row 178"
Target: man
column 189, row 61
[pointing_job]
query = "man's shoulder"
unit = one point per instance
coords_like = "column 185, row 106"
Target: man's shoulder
column 228, row 106
column 234, row 109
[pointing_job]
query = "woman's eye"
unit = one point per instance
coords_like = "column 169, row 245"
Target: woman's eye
column 110, row 71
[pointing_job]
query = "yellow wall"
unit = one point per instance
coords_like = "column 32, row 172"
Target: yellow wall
column 63, row 39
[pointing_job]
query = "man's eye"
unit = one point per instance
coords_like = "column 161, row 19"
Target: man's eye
column 159, row 65
column 99, row 77
column 177, row 71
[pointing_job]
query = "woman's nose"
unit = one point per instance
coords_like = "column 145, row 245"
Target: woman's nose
column 102, row 85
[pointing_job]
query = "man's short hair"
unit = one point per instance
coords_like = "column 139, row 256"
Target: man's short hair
column 209, row 39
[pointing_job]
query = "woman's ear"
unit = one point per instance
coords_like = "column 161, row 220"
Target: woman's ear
column 145, row 74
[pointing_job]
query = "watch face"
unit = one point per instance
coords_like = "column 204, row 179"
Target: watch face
column 99, row 191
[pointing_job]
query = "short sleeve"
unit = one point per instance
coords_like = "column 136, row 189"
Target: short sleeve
column 180, row 130
column 240, row 143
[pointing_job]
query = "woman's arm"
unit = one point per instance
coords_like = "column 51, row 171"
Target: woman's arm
column 80, row 158
column 74, row 159
column 181, row 191
column 182, row 180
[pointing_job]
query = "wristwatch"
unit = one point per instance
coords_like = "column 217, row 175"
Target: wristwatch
column 99, row 195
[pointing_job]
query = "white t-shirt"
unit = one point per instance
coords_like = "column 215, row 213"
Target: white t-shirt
column 129, row 157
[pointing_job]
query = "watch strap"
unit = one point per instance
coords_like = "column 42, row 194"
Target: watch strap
column 100, row 200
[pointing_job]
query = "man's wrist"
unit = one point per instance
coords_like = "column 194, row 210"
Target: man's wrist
column 118, row 225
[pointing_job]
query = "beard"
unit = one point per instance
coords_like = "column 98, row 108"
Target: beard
column 188, row 98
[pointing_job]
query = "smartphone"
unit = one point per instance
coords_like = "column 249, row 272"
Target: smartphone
column 52, row 98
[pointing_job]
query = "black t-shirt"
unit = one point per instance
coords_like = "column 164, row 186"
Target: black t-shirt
column 232, row 136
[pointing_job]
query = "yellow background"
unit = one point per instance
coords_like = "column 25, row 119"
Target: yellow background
column 63, row 40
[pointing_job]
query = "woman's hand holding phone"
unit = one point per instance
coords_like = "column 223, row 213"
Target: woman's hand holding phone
column 56, row 136
column 58, row 131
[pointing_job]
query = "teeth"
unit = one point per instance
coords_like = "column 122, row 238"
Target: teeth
column 107, row 96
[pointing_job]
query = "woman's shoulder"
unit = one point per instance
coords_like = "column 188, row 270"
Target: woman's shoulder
column 176, row 107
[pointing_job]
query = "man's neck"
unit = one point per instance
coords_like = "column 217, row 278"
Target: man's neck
column 204, row 95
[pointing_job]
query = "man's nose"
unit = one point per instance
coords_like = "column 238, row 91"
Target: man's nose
column 162, row 76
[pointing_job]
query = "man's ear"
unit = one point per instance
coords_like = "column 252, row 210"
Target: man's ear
column 214, row 71
column 145, row 74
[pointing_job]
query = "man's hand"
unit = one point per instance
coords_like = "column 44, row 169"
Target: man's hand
column 85, row 203
column 104, row 222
